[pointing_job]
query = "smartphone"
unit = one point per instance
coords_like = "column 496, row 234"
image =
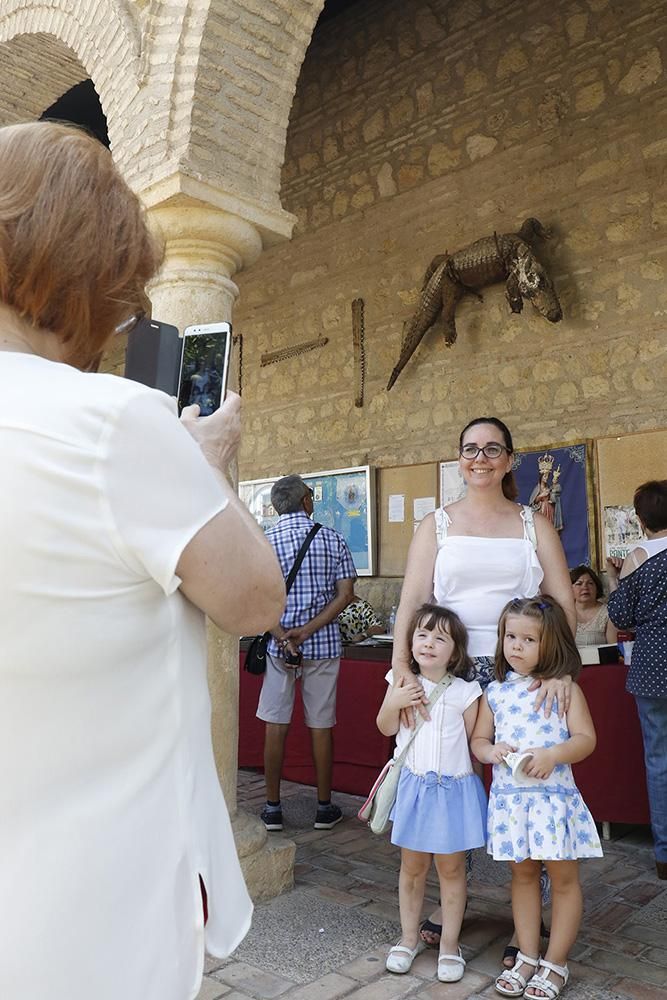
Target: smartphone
column 204, row 366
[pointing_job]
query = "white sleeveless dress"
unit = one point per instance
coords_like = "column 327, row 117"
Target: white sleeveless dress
column 477, row 576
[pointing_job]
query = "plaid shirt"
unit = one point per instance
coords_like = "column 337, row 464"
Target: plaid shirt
column 327, row 561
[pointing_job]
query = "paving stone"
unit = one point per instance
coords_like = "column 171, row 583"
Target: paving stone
column 211, row 989
column 320, row 876
column 471, row 984
column 326, row 988
column 387, row 988
column 338, row 896
column 367, row 966
column 639, row 893
column 656, row 955
column 645, row 934
column 611, row 916
column 592, row 936
column 625, row 966
column 639, row 991
column 253, row 980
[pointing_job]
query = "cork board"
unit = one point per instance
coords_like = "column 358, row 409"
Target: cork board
column 412, row 482
column 622, row 464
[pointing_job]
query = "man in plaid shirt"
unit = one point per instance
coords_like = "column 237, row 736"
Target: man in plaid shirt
column 323, row 586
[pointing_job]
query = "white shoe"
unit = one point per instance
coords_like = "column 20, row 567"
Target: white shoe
column 451, row 973
column 400, row 958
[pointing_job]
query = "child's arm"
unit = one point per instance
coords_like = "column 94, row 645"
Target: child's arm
column 579, row 746
column 481, row 743
column 403, row 694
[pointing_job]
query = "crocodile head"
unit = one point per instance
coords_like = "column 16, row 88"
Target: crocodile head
column 536, row 285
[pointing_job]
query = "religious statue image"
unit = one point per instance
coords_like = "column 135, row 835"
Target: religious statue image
column 554, row 497
column 546, row 496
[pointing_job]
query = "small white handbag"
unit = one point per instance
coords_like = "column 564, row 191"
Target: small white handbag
column 377, row 807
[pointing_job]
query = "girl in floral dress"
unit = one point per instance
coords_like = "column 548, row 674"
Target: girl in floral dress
column 536, row 812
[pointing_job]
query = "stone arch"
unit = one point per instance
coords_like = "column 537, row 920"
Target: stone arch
column 46, row 50
column 249, row 61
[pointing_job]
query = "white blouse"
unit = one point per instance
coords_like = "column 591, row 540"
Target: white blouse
column 476, row 577
column 111, row 804
column 441, row 745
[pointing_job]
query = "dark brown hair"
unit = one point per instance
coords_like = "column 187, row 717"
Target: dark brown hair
column 510, row 489
column 75, row 249
column 579, row 571
column 559, row 656
column 432, row 617
column 650, row 502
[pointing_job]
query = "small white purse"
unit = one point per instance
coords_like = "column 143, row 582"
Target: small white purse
column 377, row 807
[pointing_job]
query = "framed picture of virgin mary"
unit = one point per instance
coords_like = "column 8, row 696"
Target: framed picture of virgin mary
column 556, row 481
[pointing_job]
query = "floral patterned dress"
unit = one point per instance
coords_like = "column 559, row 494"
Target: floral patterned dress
column 544, row 820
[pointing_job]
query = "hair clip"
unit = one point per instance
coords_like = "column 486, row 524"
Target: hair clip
column 543, row 605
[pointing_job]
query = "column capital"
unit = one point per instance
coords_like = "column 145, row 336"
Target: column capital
column 273, row 225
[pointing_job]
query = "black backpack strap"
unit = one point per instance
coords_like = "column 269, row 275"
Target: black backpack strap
column 299, row 557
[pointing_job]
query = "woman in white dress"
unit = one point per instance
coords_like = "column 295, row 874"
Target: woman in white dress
column 118, row 533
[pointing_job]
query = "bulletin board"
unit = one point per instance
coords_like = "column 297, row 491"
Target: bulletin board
column 412, row 482
column 622, row 464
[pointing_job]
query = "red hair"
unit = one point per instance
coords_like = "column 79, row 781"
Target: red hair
column 75, row 249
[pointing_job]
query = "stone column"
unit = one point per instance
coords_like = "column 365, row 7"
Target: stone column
column 204, row 247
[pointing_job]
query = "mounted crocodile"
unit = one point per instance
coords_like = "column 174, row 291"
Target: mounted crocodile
column 494, row 258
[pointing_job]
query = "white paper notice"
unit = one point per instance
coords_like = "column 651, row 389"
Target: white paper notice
column 423, row 506
column 396, row 507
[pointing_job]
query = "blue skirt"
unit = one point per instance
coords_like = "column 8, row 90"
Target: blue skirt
column 439, row 815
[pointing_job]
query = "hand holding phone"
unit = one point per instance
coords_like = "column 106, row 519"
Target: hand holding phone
column 204, row 367
column 219, row 434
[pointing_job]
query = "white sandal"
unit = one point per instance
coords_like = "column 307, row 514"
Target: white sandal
column 518, row 982
column 400, row 958
column 451, row 973
column 547, row 986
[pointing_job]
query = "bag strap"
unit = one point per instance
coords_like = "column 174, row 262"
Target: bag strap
column 299, row 557
column 439, row 689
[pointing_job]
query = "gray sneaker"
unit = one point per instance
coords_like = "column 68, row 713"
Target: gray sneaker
column 327, row 817
column 272, row 819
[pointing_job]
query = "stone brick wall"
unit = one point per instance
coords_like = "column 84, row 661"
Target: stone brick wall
column 418, row 128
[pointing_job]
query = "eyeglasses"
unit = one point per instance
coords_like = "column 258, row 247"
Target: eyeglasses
column 492, row 450
column 130, row 324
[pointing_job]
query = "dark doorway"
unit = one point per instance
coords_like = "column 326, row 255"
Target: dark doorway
column 80, row 105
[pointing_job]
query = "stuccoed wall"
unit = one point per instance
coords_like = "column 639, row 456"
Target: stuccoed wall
column 416, row 129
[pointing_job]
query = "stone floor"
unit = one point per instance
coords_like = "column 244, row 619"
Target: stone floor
column 329, row 936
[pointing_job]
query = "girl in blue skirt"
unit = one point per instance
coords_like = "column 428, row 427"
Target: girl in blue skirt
column 440, row 809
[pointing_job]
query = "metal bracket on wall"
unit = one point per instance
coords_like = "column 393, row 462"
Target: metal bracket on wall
column 284, row 353
column 359, row 351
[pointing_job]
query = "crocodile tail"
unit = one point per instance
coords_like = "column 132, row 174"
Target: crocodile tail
column 425, row 316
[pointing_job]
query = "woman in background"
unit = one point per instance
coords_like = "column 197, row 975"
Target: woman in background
column 593, row 625
column 118, row 533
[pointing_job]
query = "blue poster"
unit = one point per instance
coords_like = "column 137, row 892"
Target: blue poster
column 342, row 499
column 553, row 482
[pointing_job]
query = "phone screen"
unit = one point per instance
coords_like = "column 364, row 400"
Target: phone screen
column 204, row 366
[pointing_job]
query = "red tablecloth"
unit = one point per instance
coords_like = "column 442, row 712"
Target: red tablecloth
column 360, row 750
column 612, row 780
